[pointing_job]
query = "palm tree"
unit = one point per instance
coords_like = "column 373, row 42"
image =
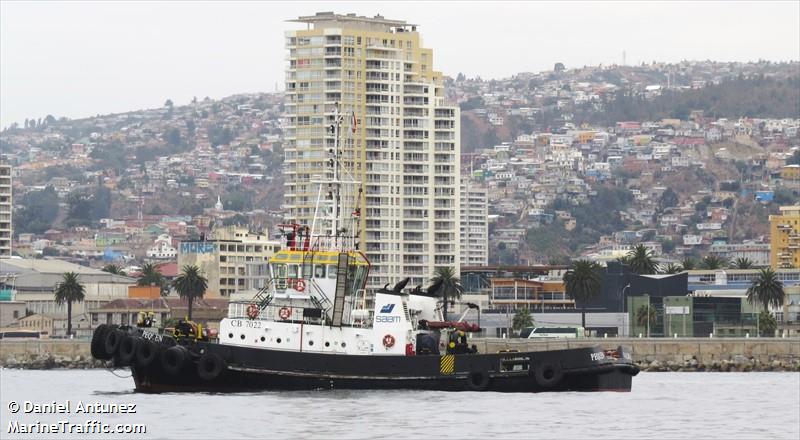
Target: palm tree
column 582, row 283
column 69, row 290
column 766, row 290
column 113, row 269
column 688, row 263
column 672, row 268
column 640, row 259
column 767, row 324
column 713, row 262
column 522, row 319
column 742, row 263
column 190, row 284
column 449, row 286
column 646, row 317
column 152, row 277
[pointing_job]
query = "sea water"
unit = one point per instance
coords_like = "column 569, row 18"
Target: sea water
column 660, row 406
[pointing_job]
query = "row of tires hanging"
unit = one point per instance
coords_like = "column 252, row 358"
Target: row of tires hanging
column 128, row 348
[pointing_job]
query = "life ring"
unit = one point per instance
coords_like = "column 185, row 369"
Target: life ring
column 300, row 285
column 388, row 341
column 548, row 375
column 478, row 381
column 285, row 313
column 252, row 311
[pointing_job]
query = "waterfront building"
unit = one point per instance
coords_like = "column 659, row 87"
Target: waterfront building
column 474, row 225
column 34, row 282
column 6, row 205
column 758, row 253
column 784, row 232
column 233, row 259
column 398, row 138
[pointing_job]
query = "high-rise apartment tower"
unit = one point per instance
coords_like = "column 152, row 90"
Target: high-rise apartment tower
column 5, row 210
column 398, row 138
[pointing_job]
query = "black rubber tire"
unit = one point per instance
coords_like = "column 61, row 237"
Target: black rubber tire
column 99, row 342
column 478, row 381
column 548, row 374
column 209, row 366
column 146, row 353
column 127, row 349
column 174, row 358
column 113, row 341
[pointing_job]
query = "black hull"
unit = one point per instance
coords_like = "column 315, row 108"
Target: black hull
column 233, row 381
column 249, row 369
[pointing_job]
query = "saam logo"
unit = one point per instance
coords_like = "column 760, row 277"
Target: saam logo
column 387, row 308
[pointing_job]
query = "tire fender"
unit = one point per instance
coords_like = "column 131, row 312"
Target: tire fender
column 113, row 340
column 98, row 346
column 127, row 349
column 146, row 353
column 548, row 374
column 210, row 365
column 478, row 381
column 174, row 358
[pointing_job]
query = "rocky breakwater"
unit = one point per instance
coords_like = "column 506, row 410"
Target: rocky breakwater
column 735, row 364
column 46, row 354
column 47, row 361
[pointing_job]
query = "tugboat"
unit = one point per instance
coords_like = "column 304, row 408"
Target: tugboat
column 310, row 328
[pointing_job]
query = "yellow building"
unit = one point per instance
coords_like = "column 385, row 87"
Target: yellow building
column 790, row 172
column 785, row 238
column 398, row 138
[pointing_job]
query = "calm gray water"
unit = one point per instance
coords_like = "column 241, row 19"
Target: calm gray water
column 661, row 405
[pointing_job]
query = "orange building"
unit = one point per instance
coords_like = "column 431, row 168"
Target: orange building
column 149, row 292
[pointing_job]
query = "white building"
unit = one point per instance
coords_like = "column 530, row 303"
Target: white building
column 5, row 210
column 474, row 225
column 399, row 138
column 162, row 248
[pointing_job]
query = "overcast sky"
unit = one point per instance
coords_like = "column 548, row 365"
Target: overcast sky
column 81, row 59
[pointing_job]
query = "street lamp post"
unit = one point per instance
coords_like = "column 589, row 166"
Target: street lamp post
column 622, row 298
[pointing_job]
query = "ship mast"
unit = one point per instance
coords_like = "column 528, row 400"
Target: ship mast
column 335, row 190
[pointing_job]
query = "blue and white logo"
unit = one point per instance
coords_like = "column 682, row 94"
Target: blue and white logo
column 387, row 308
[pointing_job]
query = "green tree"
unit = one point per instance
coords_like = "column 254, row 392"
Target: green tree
column 36, row 211
column 101, row 203
column 669, row 198
column 79, row 208
column 522, row 319
column 688, row 263
column 113, row 269
column 69, row 290
column 152, row 277
column 672, row 268
column 646, row 317
column 767, row 324
column 766, row 290
column 713, row 262
column 190, row 285
column 173, row 137
column 640, row 260
column 583, row 282
column 450, row 287
column 742, row 263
